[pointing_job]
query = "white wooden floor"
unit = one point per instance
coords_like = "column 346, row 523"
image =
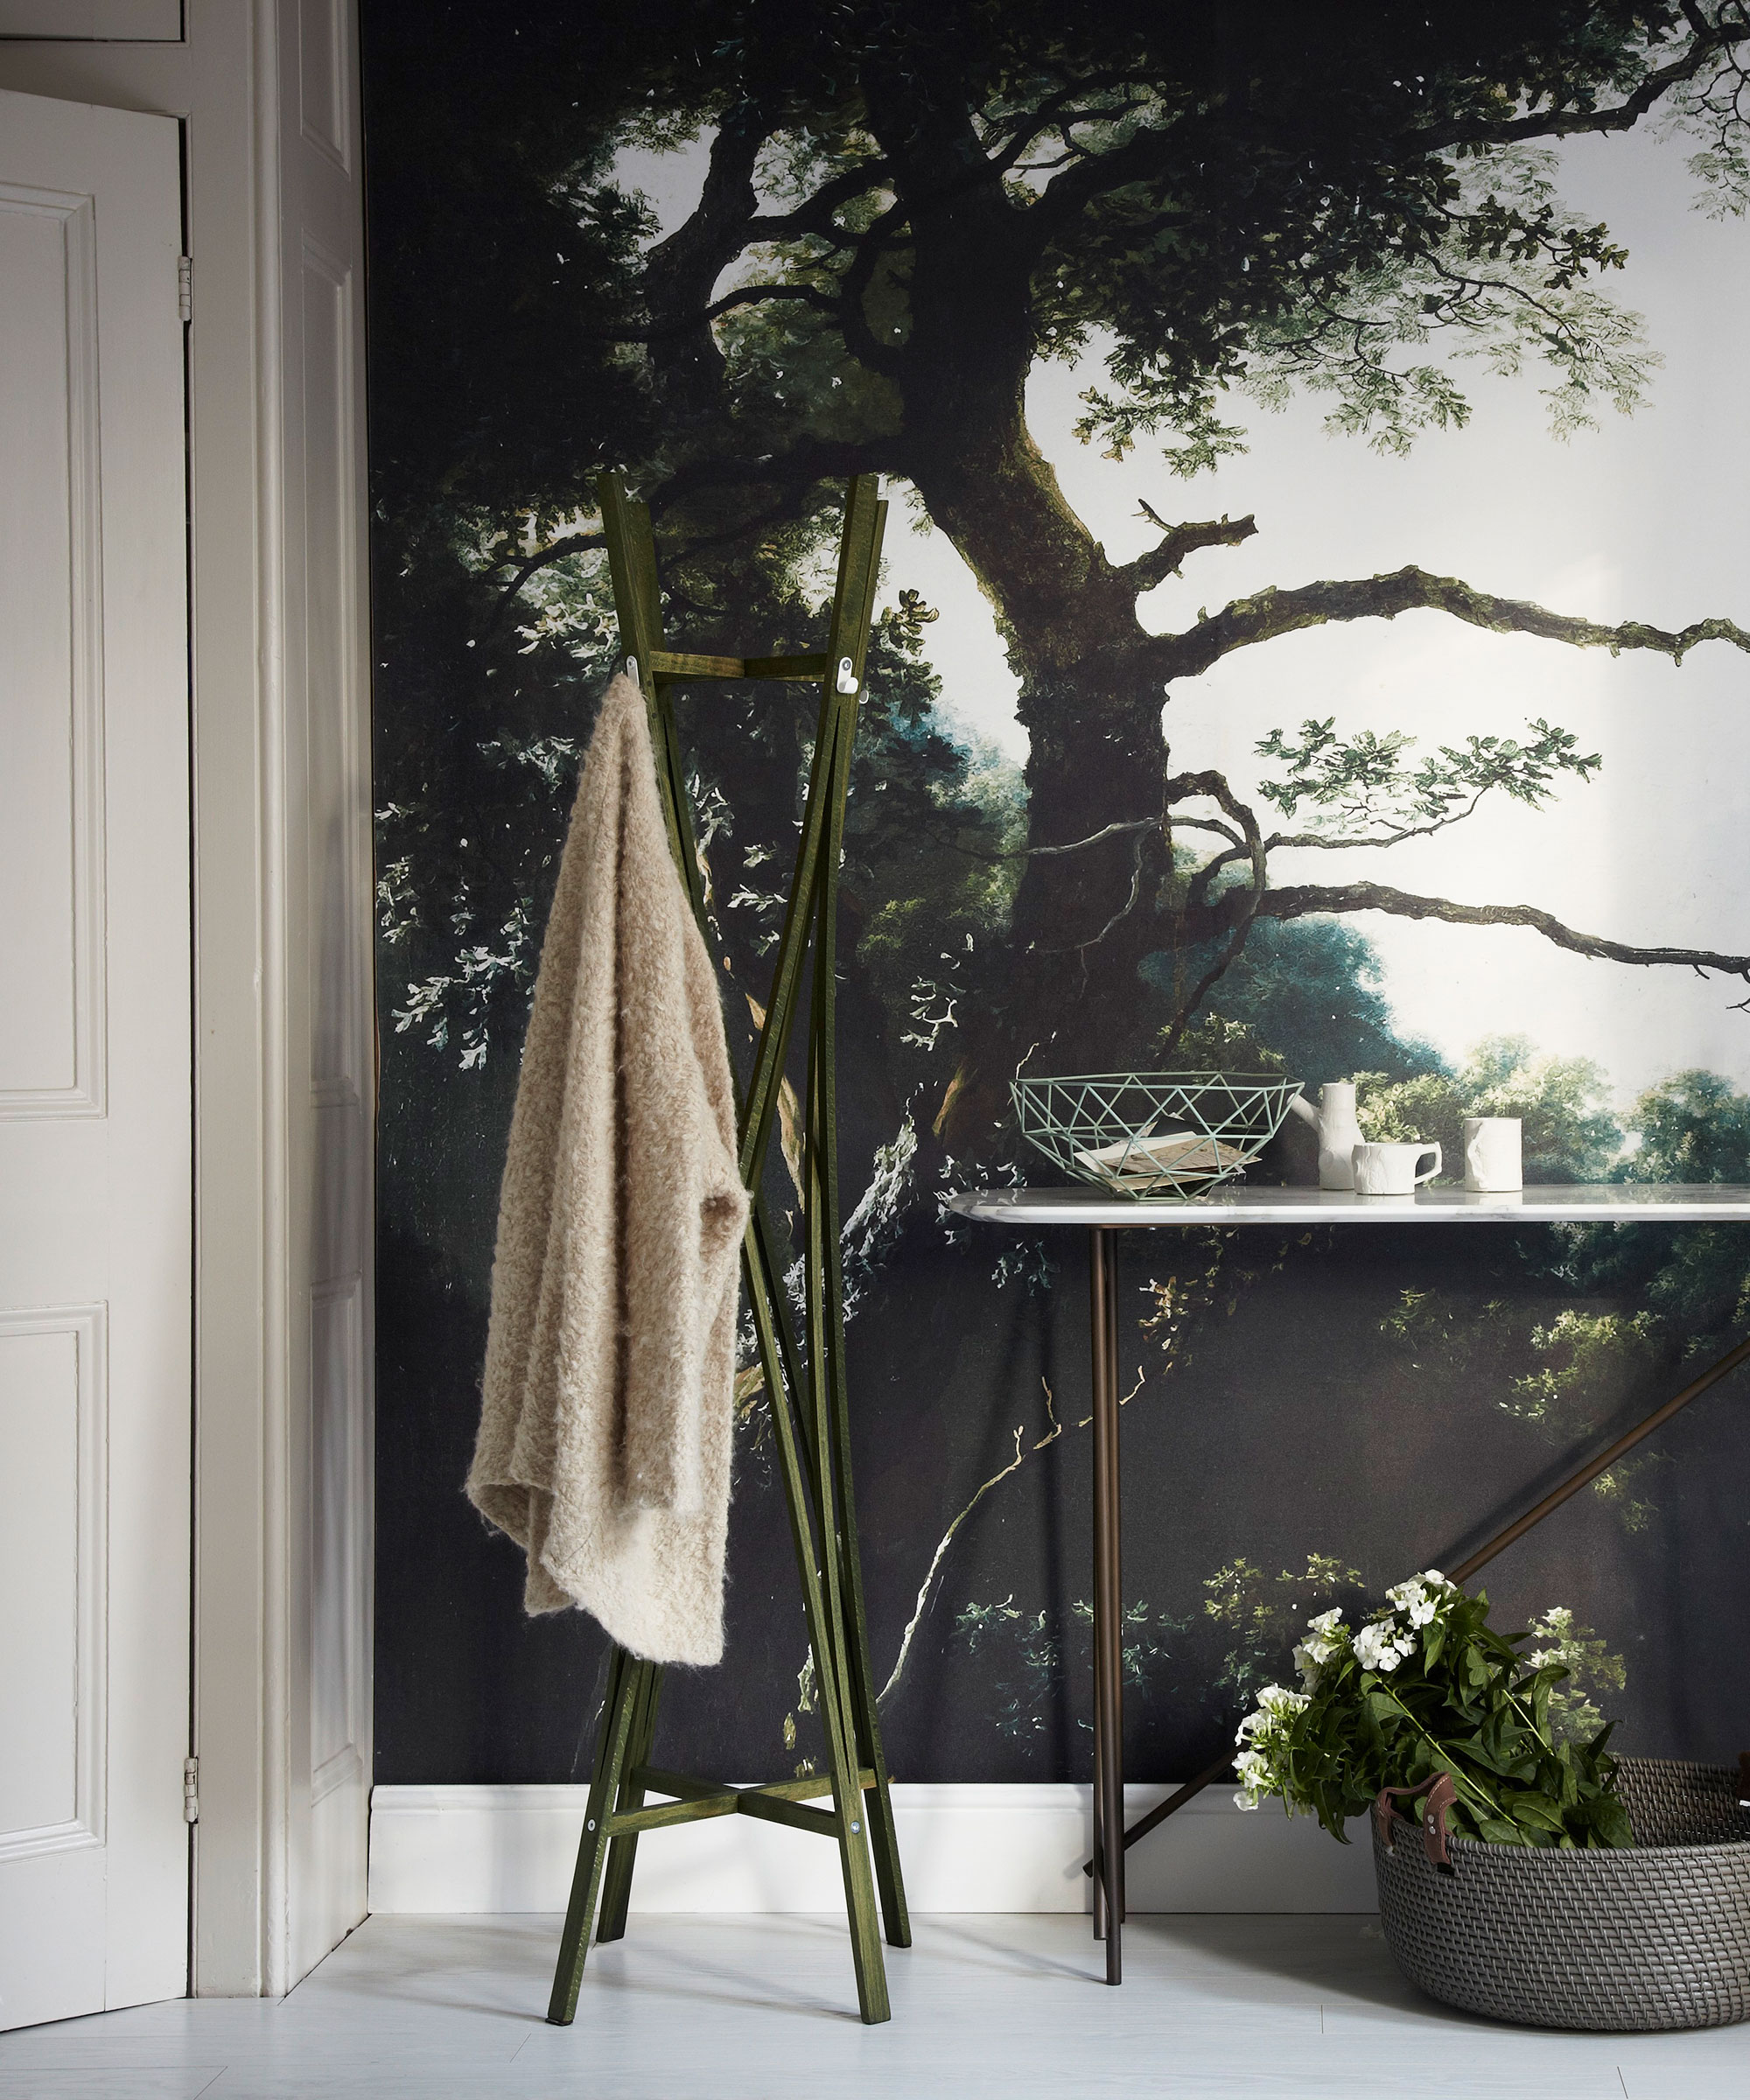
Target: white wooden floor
column 760, row 2008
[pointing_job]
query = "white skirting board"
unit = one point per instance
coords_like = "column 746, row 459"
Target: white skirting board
column 964, row 1848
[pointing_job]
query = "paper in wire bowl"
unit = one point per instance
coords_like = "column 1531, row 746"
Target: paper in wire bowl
column 1184, row 1154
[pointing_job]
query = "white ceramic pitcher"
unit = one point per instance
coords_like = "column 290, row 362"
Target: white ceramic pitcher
column 1339, row 1132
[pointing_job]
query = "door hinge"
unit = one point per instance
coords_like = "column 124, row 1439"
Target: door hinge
column 190, row 1789
column 184, row 305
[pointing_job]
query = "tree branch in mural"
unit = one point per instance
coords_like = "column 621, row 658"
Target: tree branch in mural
column 1297, row 902
column 1273, row 613
column 1167, row 558
column 932, row 1575
column 1371, row 798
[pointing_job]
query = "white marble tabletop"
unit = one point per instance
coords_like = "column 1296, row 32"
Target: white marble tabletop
column 1233, row 1203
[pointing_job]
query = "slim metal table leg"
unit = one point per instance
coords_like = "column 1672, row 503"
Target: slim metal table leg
column 1109, row 1775
column 1115, row 1532
column 1096, row 1351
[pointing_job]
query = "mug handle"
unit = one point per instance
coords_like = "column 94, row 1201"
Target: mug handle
column 1434, row 1170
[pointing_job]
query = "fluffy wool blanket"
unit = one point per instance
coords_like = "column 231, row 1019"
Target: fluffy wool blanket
column 607, row 1414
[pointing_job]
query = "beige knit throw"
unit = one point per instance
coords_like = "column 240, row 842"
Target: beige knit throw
column 607, row 1414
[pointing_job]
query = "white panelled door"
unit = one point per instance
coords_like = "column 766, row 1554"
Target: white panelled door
column 94, row 1064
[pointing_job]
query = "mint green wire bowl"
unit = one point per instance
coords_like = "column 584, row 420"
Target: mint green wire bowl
column 1152, row 1134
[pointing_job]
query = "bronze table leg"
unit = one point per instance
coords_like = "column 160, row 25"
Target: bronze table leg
column 1108, row 1711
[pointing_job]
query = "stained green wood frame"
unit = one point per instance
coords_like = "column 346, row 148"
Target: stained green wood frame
column 805, row 1386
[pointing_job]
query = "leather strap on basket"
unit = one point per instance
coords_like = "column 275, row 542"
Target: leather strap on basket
column 1744, row 1779
column 1441, row 1794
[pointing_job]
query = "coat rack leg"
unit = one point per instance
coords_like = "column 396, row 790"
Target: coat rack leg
column 849, row 1800
column 838, row 1503
column 827, row 1630
column 859, row 1902
column 827, row 1647
column 827, row 1640
column 884, row 1838
column 623, row 1851
column 859, row 570
column 610, row 1761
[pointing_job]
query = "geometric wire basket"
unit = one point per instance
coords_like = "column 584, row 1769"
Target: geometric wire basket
column 1147, row 1134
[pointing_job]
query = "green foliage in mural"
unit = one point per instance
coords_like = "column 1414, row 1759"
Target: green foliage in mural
column 1692, row 1128
column 1026, row 1654
column 1573, row 1713
column 1308, row 992
column 1364, row 786
column 1643, row 1301
column 1262, row 1615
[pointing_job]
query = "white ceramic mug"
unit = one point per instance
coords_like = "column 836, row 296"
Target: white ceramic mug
column 1492, row 1161
column 1390, row 1170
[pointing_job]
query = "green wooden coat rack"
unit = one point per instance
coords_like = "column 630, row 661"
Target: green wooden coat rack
column 805, row 1388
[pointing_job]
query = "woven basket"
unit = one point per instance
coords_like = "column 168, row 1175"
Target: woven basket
column 1657, row 1936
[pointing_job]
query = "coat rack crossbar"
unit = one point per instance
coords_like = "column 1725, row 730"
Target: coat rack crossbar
column 673, row 667
column 699, row 1799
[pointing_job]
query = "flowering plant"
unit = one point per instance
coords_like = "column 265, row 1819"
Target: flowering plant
column 1426, row 1686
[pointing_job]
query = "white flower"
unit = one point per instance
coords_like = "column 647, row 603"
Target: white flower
column 1422, row 1597
column 1325, row 1638
column 1381, row 1647
column 1255, row 1778
column 1373, row 1644
column 1306, row 1664
column 1276, row 1707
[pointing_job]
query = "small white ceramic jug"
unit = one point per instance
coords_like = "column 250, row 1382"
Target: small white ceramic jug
column 1491, row 1156
column 1339, row 1131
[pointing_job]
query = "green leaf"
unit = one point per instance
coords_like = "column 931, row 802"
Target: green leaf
column 1535, row 1810
column 1608, row 1820
column 1483, row 1754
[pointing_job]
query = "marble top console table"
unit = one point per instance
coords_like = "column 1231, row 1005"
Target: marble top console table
column 1104, row 1217
column 1586, row 1203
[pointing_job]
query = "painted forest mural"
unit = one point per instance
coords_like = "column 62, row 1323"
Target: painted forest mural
column 1417, row 755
